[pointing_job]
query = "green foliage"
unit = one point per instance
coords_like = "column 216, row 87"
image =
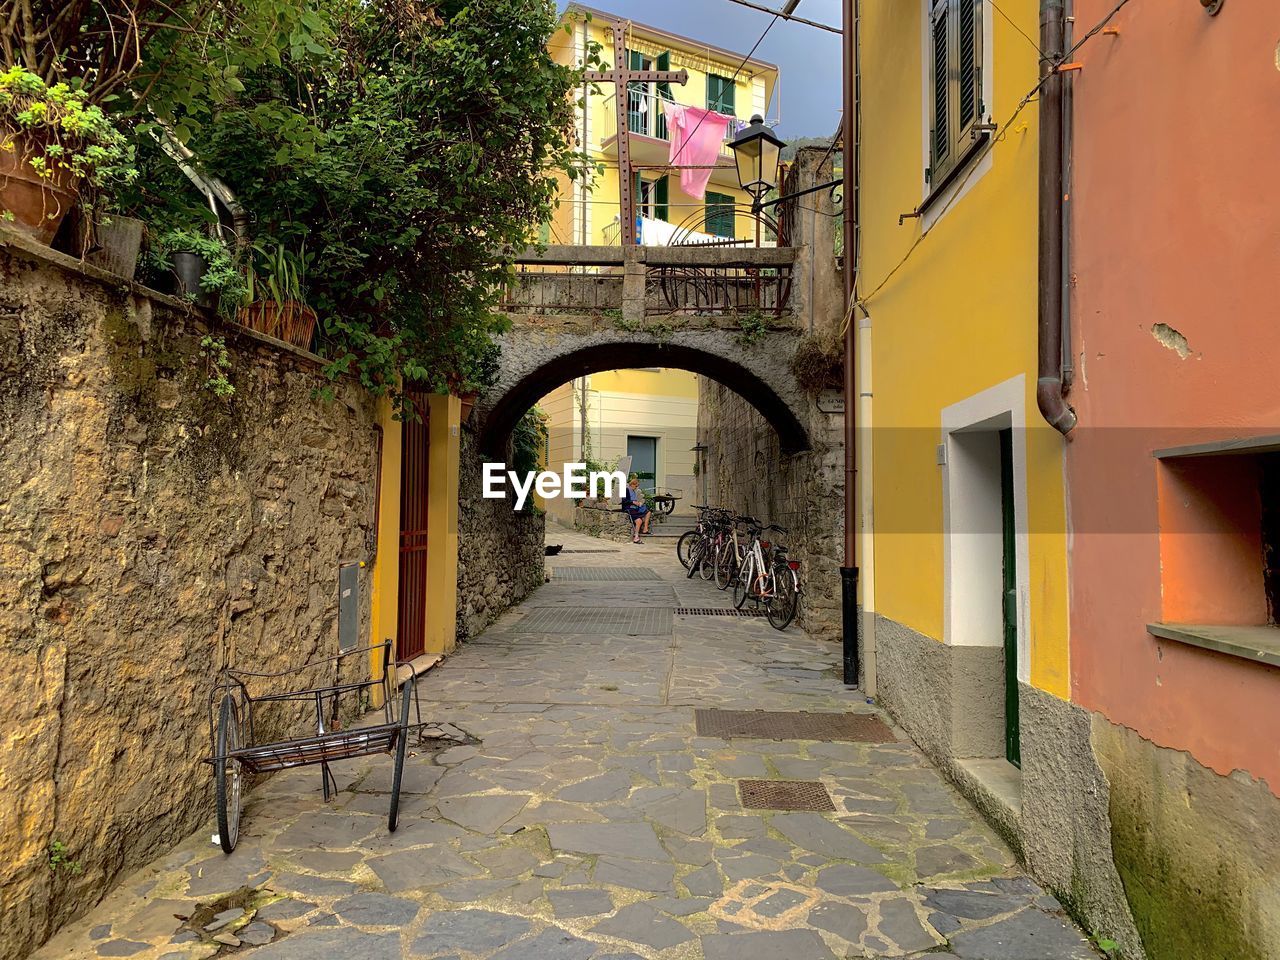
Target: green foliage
column 752, row 328
column 62, row 136
column 213, row 351
column 412, row 148
column 275, row 273
column 529, row 441
column 60, row 860
column 221, row 275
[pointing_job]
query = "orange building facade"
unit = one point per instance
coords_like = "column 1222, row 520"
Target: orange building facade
column 1173, row 474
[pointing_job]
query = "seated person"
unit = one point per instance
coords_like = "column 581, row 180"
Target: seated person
column 635, row 507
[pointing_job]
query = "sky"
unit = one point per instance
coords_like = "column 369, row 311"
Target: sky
column 808, row 102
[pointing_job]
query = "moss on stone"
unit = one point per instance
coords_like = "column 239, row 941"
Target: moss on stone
column 1186, row 897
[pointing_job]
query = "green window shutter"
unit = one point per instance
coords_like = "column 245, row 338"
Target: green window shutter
column 664, row 91
column 970, row 92
column 635, row 95
column 720, row 94
column 720, row 215
column 661, row 199
column 940, row 87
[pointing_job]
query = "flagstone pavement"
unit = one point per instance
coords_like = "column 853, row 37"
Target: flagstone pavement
column 587, row 820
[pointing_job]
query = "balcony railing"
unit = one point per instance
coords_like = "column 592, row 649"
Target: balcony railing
column 698, row 280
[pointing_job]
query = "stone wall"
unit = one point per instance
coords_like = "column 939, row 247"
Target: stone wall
column 747, row 472
column 149, row 533
column 500, row 551
column 747, row 469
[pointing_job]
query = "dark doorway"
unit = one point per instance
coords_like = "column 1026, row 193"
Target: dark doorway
column 643, row 452
column 1012, row 738
column 412, row 620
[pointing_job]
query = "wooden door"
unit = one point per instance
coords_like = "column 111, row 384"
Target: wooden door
column 412, row 621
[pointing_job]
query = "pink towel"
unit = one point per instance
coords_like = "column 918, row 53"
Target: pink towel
column 696, row 137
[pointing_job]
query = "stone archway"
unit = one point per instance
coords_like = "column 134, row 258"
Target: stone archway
column 537, row 359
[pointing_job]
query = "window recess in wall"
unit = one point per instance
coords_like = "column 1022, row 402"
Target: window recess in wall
column 1219, row 514
column 956, row 110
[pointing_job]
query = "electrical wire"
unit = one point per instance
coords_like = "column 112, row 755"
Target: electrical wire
column 861, row 300
column 733, row 79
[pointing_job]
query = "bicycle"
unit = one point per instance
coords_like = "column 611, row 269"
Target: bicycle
column 688, row 538
column 702, row 550
column 730, row 554
column 768, row 578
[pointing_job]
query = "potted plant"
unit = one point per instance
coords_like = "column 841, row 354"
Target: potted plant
column 202, row 268
column 274, row 301
column 56, row 148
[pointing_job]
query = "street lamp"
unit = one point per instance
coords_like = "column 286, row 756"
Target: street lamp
column 756, row 151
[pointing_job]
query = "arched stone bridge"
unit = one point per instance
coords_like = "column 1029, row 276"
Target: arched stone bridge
column 723, row 313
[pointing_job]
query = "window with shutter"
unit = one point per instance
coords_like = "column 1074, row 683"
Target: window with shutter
column 638, row 111
column 941, row 87
column 662, row 199
column 720, row 94
column 664, row 92
column 720, row 214
column 955, row 88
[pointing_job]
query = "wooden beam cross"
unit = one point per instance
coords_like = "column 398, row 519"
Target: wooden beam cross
column 620, row 76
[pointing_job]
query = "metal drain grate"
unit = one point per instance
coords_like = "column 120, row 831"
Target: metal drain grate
column 772, row 725
column 785, row 795
column 588, row 550
column 599, row 621
column 603, row 573
column 717, row 612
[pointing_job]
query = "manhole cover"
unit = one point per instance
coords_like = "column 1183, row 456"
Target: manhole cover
column 717, row 612
column 785, row 795
column 599, row 621
column 773, row 725
column 603, row 573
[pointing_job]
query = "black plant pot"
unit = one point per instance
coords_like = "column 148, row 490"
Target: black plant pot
column 188, row 268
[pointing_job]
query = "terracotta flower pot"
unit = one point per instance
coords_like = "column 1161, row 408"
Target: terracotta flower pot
column 37, row 204
column 292, row 321
column 468, row 401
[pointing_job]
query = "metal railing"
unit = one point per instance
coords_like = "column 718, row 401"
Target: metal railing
column 690, row 280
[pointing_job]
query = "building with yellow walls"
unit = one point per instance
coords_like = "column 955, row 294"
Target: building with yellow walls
column 720, row 79
column 966, row 562
column 649, row 414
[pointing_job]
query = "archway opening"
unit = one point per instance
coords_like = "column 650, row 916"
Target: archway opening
column 511, row 400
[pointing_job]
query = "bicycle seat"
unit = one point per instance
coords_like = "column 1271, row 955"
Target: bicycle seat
column 774, row 526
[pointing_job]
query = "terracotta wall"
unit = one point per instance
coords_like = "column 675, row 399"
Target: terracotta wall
column 1176, row 297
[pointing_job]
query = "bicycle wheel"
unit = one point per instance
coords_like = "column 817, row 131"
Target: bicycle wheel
column 726, row 566
column 227, row 776
column 707, row 565
column 684, row 545
column 696, row 551
column 781, row 606
column 742, row 583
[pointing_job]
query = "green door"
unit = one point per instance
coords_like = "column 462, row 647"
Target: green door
column 1012, row 740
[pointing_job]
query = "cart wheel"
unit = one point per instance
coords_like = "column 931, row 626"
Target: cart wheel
column 666, row 506
column 393, row 817
column 227, row 775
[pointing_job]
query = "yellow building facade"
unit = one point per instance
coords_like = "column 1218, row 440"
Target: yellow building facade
column 649, row 414
column 966, row 561
column 720, row 79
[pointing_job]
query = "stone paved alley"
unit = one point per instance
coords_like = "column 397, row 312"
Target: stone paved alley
column 590, row 821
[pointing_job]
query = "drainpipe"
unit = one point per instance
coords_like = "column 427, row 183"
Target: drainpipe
column 849, row 572
column 1049, row 384
column 1068, row 195
column 215, row 190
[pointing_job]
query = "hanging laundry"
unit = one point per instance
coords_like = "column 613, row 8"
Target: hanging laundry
column 696, row 138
